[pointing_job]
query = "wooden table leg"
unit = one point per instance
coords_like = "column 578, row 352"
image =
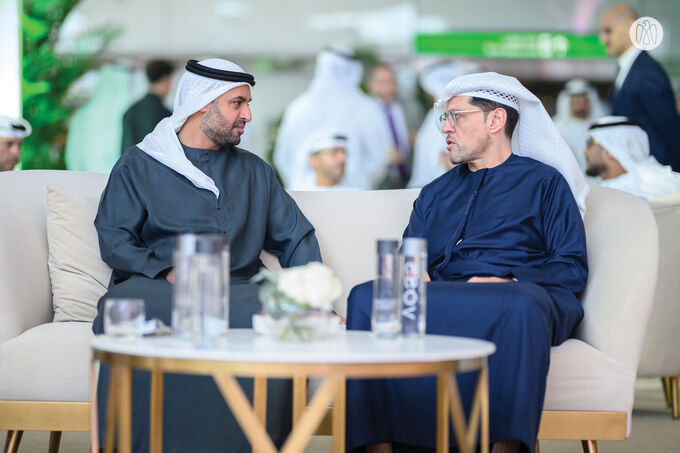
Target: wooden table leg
column 484, row 382
column 299, row 397
column 479, row 412
column 475, row 413
column 111, row 410
column 94, row 421
column 260, row 398
column 443, row 412
column 312, row 416
column 466, row 437
column 245, row 415
column 156, row 412
column 339, row 414
column 458, row 416
column 124, row 410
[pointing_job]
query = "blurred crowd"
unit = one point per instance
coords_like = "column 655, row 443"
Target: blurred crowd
column 350, row 128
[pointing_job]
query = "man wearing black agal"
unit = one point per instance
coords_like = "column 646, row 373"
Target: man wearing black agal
column 188, row 176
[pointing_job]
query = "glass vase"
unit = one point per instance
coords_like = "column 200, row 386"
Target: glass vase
column 292, row 322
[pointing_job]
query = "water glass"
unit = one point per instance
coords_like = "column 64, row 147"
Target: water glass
column 185, row 312
column 201, row 290
column 210, row 289
column 124, row 318
column 385, row 315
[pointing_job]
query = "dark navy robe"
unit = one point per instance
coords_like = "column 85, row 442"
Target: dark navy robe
column 517, row 220
column 143, row 207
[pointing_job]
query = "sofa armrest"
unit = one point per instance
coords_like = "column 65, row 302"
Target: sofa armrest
column 25, row 291
column 25, row 298
column 623, row 257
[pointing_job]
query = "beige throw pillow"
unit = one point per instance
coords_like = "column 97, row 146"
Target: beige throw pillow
column 79, row 276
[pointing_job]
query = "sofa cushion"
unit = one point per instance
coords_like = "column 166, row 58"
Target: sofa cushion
column 78, row 275
column 50, row 362
column 581, row 378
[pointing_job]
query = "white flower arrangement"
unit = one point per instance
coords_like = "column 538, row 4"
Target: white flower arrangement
column 297, row 300
column 312, row 286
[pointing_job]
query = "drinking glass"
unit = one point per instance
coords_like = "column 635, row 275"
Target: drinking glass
column 201, row 289
column 124, row 318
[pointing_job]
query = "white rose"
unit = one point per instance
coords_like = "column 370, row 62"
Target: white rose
column 290, row 283
column 314, row 284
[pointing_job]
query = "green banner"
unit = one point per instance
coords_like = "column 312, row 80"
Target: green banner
column 538, row 45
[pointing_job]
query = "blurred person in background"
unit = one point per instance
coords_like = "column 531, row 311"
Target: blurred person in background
column 12, row 134
column 143, row 115
column 577, row 107
column 382, row 85
column 326, row 155
column 430, row 157
column 618, row 152
column 334, row 97
column 642, row 91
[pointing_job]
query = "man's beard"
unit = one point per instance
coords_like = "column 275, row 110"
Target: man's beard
column 462, row 154
column 595, row 170
column 218, row 129
column 581, row 114
column 336, row 174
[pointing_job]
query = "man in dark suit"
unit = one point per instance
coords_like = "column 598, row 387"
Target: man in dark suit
column 143, row 115
column 642, row 91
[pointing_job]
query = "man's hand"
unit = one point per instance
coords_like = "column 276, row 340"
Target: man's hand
column 427, row 277
column 343, row 321
column 489, row 280
column 170, row 276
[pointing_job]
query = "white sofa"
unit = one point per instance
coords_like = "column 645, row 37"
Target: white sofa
column 44, row 365
column 660, row 352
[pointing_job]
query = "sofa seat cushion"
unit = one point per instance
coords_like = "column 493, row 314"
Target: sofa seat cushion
column 50, row 362
column 582, row 378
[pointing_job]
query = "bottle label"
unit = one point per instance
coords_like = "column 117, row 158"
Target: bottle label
column 410, row 295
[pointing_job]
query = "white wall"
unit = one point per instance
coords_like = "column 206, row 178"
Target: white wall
column 300, row 28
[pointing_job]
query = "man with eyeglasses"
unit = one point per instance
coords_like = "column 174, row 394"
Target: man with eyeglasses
column 12, row 134
column 506, row 259
column 618, row 153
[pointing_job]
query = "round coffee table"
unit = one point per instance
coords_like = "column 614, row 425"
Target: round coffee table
column 243, row 353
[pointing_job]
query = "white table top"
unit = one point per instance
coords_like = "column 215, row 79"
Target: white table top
column 244, row 345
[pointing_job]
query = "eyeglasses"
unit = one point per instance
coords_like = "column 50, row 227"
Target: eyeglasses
column 452, row 115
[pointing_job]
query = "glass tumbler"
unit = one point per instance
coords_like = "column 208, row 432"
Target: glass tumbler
column 124, row 318
column 201, row 291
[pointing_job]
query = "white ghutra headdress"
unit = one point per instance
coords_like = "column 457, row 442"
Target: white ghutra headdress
column 535, row 135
